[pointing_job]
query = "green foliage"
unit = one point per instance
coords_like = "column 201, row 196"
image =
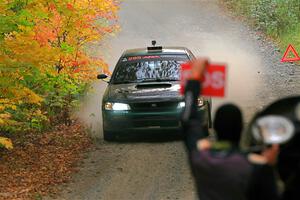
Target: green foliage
column 61, row 95
column 279, row 19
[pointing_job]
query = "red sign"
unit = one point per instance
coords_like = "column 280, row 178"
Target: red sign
column 214, row 81
column 289, row 50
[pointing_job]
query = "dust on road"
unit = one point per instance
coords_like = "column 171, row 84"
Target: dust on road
column 159, row 170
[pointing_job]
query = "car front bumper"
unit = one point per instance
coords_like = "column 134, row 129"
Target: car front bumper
column 129, row 121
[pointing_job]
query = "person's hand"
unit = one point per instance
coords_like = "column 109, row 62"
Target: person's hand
column 270, row 154
column 203, row 144
column 198, row 68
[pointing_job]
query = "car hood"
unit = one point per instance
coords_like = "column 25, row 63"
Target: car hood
column 145, row 92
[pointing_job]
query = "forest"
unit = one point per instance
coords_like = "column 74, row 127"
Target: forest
column 44, row 66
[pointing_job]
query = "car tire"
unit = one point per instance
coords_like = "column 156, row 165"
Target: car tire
column 108, row 136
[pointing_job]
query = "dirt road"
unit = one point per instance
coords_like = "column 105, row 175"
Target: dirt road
column 159, row 170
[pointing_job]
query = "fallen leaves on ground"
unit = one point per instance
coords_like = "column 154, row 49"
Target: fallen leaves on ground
column 38, row 162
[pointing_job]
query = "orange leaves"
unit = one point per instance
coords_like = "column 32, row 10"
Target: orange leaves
column 70, row 7
column 47, row 30
column 27, row 51
column 44, row 34
column 52, row 6
column 72, row 25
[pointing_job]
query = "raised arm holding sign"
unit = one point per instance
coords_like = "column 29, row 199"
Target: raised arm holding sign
column 213, row 79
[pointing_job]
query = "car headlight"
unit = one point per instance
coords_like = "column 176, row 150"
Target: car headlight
column 116, row 106
column 200, row 103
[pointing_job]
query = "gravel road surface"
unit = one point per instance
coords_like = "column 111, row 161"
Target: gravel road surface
column 159, row 170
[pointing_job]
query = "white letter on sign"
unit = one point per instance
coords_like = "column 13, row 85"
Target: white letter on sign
column 217, row 80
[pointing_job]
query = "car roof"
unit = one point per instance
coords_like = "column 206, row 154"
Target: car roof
column 165, row 50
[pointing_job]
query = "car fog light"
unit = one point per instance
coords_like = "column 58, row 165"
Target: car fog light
column 108, row 106
column 116, row 106
column 181, row 105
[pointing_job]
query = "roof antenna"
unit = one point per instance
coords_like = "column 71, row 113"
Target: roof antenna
column 153, row 42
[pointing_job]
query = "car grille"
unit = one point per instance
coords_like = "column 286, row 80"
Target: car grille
column 154, row 106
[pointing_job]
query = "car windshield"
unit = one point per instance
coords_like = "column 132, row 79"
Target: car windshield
column 150, row 68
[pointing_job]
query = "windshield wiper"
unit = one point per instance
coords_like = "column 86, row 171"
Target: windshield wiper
column 156, row 80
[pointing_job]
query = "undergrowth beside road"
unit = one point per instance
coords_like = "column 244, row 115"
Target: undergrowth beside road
column 278, row 19
column 40, row 161
column 45, row 70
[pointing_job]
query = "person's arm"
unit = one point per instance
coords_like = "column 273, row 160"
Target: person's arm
column 193, row 129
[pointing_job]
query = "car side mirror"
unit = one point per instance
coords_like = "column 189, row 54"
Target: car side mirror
column 102, row 77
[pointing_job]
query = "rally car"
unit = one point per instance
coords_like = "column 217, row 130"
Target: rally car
column 143, row 92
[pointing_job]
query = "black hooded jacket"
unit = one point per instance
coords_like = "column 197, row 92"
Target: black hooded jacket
column 222, row 173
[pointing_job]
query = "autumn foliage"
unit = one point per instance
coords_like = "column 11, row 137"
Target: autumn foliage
column 44, row 66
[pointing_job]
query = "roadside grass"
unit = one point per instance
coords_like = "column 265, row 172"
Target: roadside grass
column 277, row 19
column 291, row 37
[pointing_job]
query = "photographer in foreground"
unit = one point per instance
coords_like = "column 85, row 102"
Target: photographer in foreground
column 220, row 169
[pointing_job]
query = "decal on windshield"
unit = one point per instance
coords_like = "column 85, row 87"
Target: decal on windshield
column 174, row 56
column 151, row 57
column 133, row 58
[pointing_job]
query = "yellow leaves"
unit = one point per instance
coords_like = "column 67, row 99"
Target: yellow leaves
column 7, row 104
column 16, row 105
column 5, row 119
column 24, row 49
column 30, row 97
column 24, row 29
column 5, row 115
column 20, row 95
column 5, row 142
column 24, row 94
